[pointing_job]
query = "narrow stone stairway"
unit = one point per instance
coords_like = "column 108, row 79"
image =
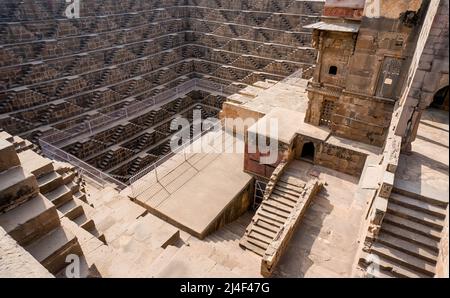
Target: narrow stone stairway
column 408, row 242
column 275, row 212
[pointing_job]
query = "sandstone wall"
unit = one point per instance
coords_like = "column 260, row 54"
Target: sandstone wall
column 429, row 69
column 361, row 76
column 340, row 159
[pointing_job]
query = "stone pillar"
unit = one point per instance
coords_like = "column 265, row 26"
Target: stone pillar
column 412, row 132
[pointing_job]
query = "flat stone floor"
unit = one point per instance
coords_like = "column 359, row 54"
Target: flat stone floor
column 326, row 241
column 193, row 189
column 290, row 94
column 425, row 170
column 134, row 244
column 196, row 205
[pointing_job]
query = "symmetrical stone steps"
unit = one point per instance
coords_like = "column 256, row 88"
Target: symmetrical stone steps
column 61, row 187
column 29, row 217
column 387, row 266
column 89, row 51
column 17, row 187
column 217, row 249
column 30, row 220
column 411, row 226
column 420, row 217
column 408, row 241
column 72, row 209
column 411, row 194
column 418, row 205
column 414, row 237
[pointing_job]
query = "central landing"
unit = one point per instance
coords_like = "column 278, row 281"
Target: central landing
column 198, row 192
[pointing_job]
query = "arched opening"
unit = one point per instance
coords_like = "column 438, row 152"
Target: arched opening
column 308, row 151
column 333, row 70
column 440, row 99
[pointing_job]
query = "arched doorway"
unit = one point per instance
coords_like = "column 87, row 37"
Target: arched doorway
column 440, row 99
column 308, row 151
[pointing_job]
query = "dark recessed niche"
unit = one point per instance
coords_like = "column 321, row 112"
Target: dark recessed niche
column 332, row 70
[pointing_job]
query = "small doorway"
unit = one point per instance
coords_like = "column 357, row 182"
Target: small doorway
column 308, row 152
column 440, row 100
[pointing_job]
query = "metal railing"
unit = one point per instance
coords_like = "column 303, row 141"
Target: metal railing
column 139, row 185
column 49, row 144
column 84, row 169
column 90, row 126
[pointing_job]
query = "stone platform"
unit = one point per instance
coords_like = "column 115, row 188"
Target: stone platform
column 197, row 192
column 425, row 170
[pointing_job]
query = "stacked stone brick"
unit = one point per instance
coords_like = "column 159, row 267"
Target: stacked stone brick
column 36, row 197
column 57, row 72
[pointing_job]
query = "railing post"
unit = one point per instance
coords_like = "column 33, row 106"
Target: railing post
column 156, row 173
column 90, row 127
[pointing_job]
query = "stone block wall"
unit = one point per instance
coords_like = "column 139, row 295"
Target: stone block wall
column 64, row 59
column 340, row 159
column 57, row 72
column 332, row 156
column 366, row 72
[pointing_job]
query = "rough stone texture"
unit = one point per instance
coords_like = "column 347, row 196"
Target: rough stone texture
column 387, row 10
column 136, row 244
column 325, row 243
column 330, row 151
column 425, row 168
column 8, row 156
column 17, row 186
column 420, row 178
column 17, row 262
column 356, row 99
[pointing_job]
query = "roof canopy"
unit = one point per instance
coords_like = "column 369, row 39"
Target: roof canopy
column 340, row 27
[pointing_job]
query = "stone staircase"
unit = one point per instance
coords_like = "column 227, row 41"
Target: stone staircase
column 28, row 216
column 61, row 185
column 220, row 255
column 19, row 143
column 408, row 242
column 286, row 199
column 272, row 214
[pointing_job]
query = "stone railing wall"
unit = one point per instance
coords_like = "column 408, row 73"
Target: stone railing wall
column 278, row 246
column 279, row 170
